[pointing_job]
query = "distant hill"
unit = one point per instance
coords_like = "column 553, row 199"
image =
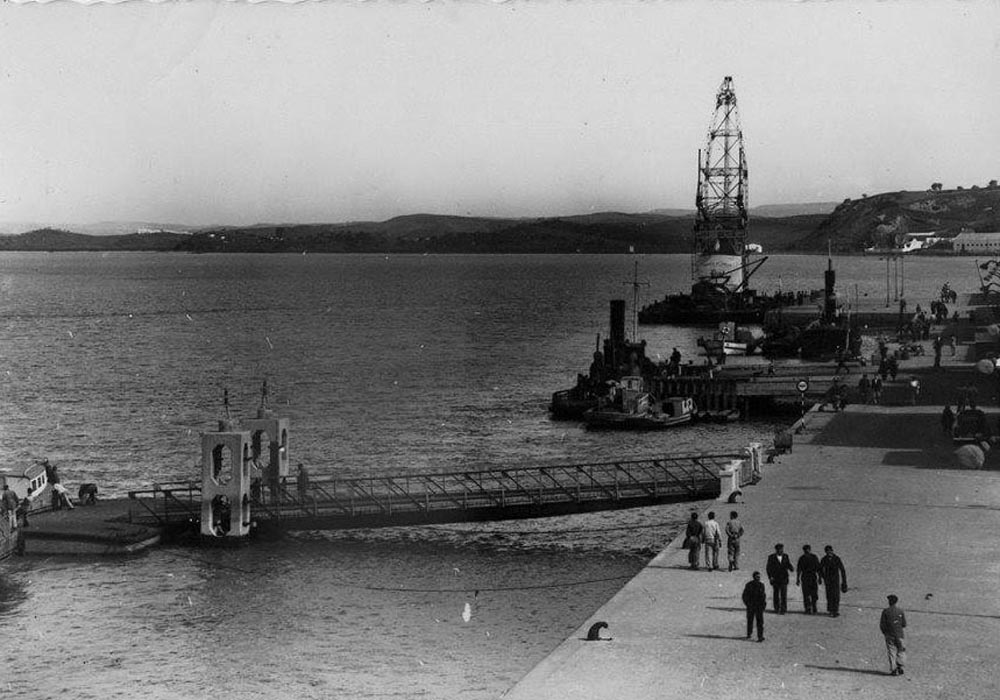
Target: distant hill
column 606, row 232
column 850, row 227
column 857, row 224
column 101, row 228
column 782, row 210
column 49, row 239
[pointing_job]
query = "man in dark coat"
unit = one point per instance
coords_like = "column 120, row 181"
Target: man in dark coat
column 692, row 540
column 755, row 598
column 807, row 576
column 832, row 575
column 778, row 566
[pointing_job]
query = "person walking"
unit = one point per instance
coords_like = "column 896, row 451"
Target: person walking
column 834, row 577
column 948, row 419
column 778, row 566
column 755, row 598
column 8, row 506
column 891, row 624
column 734, row 531
column 23, row 508
column 712, row 534
column 302, row 482
column 807, row 576
column 692, row 540
column 864, row 388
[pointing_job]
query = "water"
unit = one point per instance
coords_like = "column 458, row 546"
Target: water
column 113, row 363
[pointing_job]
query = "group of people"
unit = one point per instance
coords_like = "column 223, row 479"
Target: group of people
column 810, row 571
column 708, row 535
column 60, row 494
column 277, row 485
column 870, row 390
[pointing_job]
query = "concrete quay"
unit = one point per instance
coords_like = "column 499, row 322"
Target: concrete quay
column 881, row 486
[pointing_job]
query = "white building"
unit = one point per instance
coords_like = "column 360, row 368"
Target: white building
column 976, row 242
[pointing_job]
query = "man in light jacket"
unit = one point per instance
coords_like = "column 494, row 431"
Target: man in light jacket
column 891, row 624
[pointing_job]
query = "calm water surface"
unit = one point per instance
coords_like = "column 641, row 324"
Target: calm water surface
column 114, row 363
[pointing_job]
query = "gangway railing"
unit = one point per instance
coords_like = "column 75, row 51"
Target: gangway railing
column 456, row 496
column 166, row 503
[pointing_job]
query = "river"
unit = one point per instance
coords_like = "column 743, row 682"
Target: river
column 114, row 363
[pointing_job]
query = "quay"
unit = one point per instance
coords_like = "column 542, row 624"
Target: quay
column 880, row 486
column 883, row 485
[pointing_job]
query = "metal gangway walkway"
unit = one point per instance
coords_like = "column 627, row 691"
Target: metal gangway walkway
column 461, row 496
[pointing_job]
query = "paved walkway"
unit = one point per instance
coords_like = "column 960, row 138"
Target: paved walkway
column 877, row 484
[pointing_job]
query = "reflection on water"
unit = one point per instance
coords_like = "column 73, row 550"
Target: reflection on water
column 12, row 592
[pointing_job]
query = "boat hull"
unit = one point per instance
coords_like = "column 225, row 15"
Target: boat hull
column 614, row 420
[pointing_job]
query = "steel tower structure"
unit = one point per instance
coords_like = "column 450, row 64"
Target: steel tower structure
column 720, row 231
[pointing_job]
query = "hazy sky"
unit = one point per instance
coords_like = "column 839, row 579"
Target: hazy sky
column 210, row 112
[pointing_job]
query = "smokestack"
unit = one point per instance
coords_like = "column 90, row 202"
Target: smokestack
column 830, row 279
column 617, row 322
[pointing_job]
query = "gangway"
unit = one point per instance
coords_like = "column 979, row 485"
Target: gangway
column 327, row 503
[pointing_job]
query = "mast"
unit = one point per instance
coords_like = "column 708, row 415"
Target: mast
column 635, row 301
column 720, row 230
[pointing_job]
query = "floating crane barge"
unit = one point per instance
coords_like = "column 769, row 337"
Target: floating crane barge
column 720, row 262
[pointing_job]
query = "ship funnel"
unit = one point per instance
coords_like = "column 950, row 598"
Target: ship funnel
column 617, row 336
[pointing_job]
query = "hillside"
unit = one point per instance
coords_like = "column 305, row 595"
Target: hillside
column 850, row 228
column 607, row 232
column 49, row 239
column 882, row 219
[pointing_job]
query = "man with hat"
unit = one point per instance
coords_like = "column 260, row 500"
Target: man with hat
column 891, row 624
column 755, row 598
column 778, row 566
column 833, row 576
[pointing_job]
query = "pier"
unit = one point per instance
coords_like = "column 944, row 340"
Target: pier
column 492, row 494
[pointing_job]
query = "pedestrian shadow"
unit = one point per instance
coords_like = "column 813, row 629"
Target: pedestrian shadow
column 867, row 671
column 676, row 567
column 735, row 637
column 766, row 612
column 938, row 458
column 717, row 607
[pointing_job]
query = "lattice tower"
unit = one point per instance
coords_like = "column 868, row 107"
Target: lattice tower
column 720, row 229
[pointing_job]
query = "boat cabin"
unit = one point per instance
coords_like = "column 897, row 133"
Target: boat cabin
column 29, row 480
column 634, row 398
column 676, row 406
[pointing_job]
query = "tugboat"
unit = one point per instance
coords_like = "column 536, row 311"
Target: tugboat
column 620, row 357
column 629, row 407
column 830, row 335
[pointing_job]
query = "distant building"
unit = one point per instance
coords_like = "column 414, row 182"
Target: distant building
column 976, row 242
column 911, row 242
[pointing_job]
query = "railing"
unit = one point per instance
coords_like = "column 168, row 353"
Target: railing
column 166, row 503
column 458, row 495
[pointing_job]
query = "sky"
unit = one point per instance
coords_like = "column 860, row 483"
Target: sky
column 209, row 112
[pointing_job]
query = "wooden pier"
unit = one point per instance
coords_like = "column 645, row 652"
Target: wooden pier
column 734, row 392
column 424, row 498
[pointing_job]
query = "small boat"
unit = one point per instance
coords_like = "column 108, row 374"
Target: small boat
column 631, row 408
column 571, row 404
column 25, row 482
column 731, row 339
